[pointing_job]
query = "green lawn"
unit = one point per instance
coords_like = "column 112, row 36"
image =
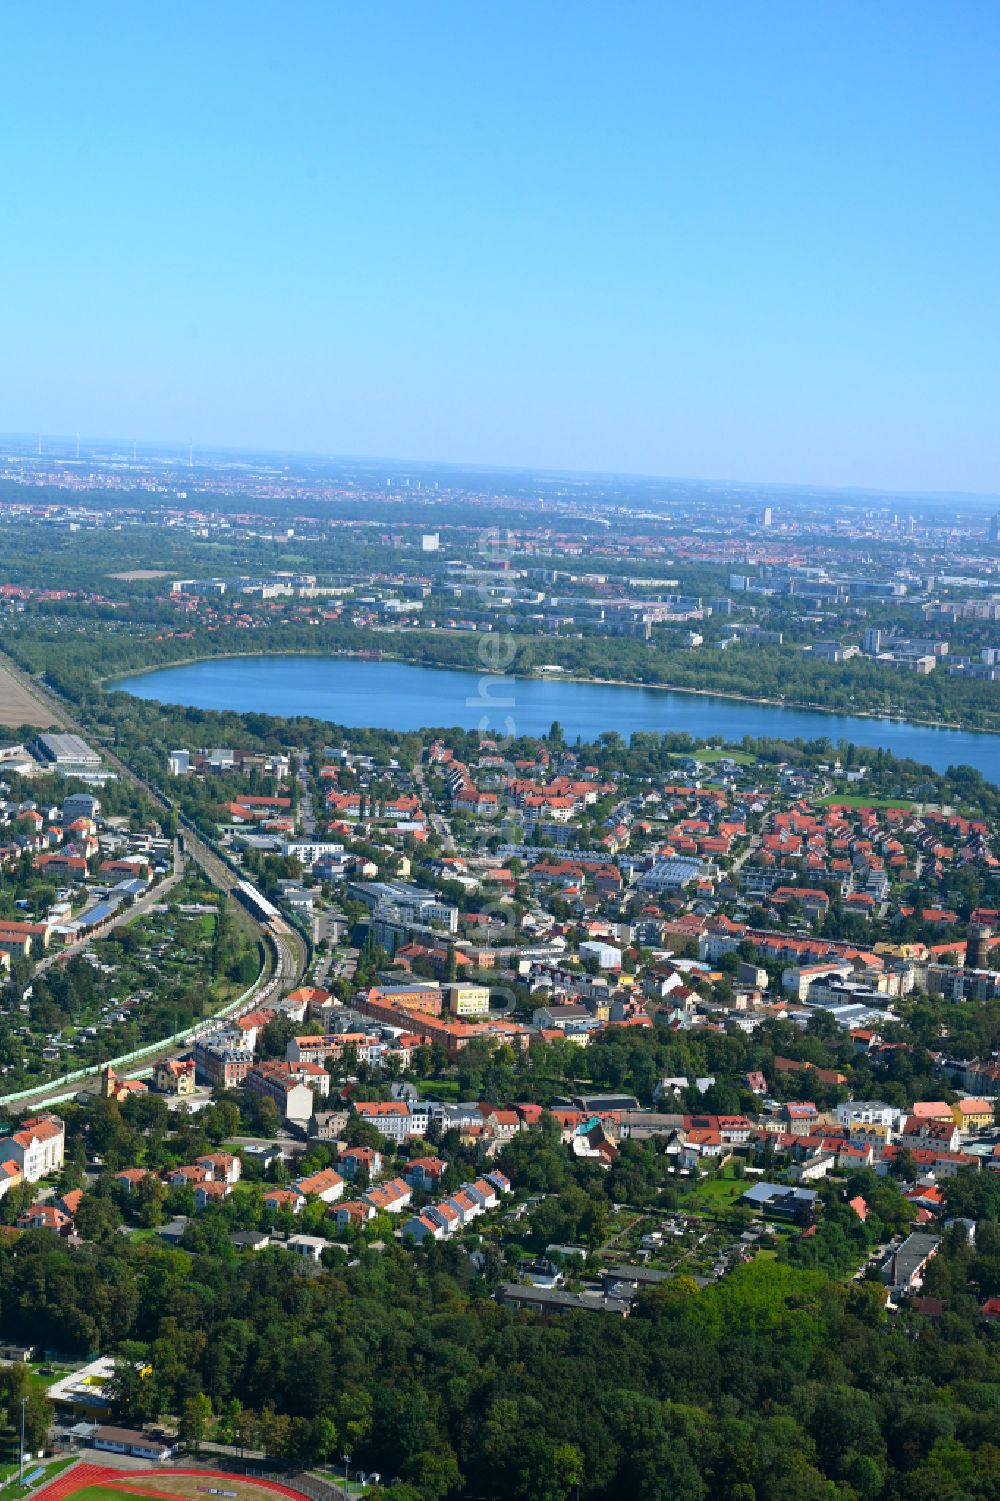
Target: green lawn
column 439, row 1089
column 854, row 800
column 718, row 753
column 333, row 1476
column 38, row 1382
column 52, row 1467
column 717, row 1193
column 104, row 1493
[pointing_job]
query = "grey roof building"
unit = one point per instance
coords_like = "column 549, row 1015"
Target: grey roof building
column 904, row 1267
column 552, row 1301
column 621, row 1281
column 67, row 750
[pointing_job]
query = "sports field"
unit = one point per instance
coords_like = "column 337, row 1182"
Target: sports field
column 97, row 1482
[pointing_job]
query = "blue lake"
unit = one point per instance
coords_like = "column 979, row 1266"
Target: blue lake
column 394, row 695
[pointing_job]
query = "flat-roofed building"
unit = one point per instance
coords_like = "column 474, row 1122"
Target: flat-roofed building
column 468, row 1000
column 67, row 750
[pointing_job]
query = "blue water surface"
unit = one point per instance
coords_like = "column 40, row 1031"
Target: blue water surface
column 395, row 695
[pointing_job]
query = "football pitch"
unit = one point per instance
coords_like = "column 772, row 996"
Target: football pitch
column 97, row 1493
column 92, row 1482
column 210, row 1486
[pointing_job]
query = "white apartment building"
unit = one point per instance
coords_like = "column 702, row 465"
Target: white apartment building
column 390, row 1117
column 853, row 1113
column 38, row 1147
column 312, row 851
column 607, row 956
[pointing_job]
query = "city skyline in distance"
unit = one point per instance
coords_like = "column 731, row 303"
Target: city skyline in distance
column 71, row 449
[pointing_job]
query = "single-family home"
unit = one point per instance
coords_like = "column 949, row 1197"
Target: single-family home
column 309, row 1247
column 284, row 1200
column 360, row 1159
column 352, row 1213
column 391, row 1197
column 326, row 1185
column 45, row 1217
column 225, row 1167
column 212, row 1192
column 422, row 1227
column 425, row 1172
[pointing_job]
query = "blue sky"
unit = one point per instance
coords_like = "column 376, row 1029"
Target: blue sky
column 742, row 239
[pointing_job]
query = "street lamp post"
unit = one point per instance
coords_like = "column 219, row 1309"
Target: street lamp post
column 347, row 1473
column 24, row 1403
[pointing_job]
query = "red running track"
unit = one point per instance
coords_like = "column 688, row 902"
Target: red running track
column 75, row 1479
column 79, row 1476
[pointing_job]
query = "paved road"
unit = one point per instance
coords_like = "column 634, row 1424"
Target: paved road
column 439, row 825
column 751, row 849
column 307, row 813
column 141, row 905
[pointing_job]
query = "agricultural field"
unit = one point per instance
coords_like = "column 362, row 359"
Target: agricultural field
column 139, row 575
column 19, row 707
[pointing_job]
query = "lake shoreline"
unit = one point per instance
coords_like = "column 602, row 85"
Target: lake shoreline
column 549, row 677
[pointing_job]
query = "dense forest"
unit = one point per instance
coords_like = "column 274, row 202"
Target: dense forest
column 777, row 1384
column 785, row 1379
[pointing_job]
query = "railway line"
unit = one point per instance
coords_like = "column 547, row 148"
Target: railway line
column 285, row 946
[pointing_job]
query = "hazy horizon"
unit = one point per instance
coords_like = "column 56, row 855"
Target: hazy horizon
column 174, row 453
